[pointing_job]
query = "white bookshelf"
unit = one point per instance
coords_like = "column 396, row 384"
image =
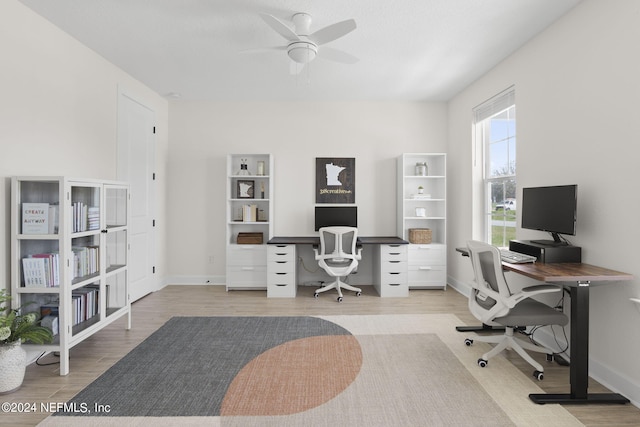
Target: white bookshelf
column 86, row 249
column 426, row 210
column 253, row 186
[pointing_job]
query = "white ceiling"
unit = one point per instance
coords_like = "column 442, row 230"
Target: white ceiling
column 408, row 49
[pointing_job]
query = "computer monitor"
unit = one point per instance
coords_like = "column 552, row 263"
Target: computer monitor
column 552, row 209
column 332, row 216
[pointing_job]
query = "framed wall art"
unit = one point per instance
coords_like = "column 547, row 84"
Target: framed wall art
column 335, row 180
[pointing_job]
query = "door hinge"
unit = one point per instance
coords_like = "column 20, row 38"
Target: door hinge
column 153, row 223
column 154, row 129
column 154, row 269
column 153, row 176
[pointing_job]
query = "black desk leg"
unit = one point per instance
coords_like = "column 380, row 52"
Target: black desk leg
column 579, row 368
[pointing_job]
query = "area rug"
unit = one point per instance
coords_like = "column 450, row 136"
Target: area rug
column 377, row 370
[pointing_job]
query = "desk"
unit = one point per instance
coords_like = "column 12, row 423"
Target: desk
column 389, row 256
column 578, row 277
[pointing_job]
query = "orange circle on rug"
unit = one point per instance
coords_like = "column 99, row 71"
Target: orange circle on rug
column 294, row 377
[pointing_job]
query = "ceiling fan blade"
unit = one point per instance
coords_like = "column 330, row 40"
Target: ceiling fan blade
column 332, row 32
column 263, row 49
column 336, row 55
column 280, row 27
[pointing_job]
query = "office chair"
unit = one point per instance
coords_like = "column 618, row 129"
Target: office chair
column 493, row 303
column 338, row 257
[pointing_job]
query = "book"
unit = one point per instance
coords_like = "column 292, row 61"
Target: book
column 249, row 213
column 34, row 272
column 35, row 218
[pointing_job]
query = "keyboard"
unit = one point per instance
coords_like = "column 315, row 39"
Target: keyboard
column 512, row 257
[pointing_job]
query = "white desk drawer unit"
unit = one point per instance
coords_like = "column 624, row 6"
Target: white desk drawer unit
column 246, row 267
column 427, row 266
column 281, row 274
column 391, row 271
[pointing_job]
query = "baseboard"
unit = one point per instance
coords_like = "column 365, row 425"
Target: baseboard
column 194, row 280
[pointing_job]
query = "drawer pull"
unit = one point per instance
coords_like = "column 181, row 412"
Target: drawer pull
column 394, row 284
column 281, row 253
column 281, row 262
column 281, row 284
column 394, row 262
column 424, row 268
column 247, row 268
column 281, row 274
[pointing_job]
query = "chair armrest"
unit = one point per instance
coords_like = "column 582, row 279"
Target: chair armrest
column 359, row 254
column 530, row 291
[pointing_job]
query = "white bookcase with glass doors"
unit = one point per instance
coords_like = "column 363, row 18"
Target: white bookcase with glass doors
column 70, row 256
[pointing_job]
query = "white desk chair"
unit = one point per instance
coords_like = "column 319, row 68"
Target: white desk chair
column 493, row 303
column 338, row 257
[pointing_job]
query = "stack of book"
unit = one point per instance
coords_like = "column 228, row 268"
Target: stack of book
column 85, row 303
column 249, row 213
column 41, row 270
column 84, row 218
column 86, row 260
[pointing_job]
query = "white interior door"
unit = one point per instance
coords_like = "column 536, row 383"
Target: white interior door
column 136, row 160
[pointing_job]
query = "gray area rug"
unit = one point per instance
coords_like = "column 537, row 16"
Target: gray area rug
column 345, row 370
column 186, row 366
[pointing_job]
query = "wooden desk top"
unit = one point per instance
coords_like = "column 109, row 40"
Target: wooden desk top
column 567, row 272
column 562, row 271
column 315, row 240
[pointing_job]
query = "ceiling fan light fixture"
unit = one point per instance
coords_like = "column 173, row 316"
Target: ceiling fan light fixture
column 302, row 52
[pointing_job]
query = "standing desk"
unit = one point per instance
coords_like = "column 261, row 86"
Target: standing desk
column 578, row 277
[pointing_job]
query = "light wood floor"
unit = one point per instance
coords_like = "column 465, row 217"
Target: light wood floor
column 92, row 357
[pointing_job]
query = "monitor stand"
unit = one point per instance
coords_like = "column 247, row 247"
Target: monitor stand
column 557, row 241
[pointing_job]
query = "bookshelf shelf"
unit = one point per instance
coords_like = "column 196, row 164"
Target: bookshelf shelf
column 75, row 273
column 249, row 201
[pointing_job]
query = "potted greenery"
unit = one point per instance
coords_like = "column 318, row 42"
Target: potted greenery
column 16, row 327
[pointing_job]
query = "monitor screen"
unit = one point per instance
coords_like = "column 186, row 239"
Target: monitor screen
column 332, row 216
column 551, row 209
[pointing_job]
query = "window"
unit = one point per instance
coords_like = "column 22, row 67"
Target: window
column 495, row 132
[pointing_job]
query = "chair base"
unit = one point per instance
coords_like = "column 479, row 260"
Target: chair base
column 338, row 285
column 509, row 341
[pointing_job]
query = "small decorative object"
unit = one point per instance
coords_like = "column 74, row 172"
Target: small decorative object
column 244, row 170
column 421, row 212
column 421, row 169
column 262, row 190
column 246, row 189
column 15, row 328
column 260, row 167
column 420, row 190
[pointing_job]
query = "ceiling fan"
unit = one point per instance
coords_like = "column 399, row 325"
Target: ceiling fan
column 303, row 46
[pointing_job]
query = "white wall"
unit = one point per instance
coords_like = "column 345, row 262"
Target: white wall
column 577, row 98
column 58, row 111
column 202, row 134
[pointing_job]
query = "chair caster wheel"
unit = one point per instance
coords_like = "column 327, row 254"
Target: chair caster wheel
column 339, row 299
column 358, row 294
column 538, row 375
column 316, row 295
column 482, row 363
column 468, row 342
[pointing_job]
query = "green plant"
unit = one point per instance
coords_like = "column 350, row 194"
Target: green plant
column 17, row 326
